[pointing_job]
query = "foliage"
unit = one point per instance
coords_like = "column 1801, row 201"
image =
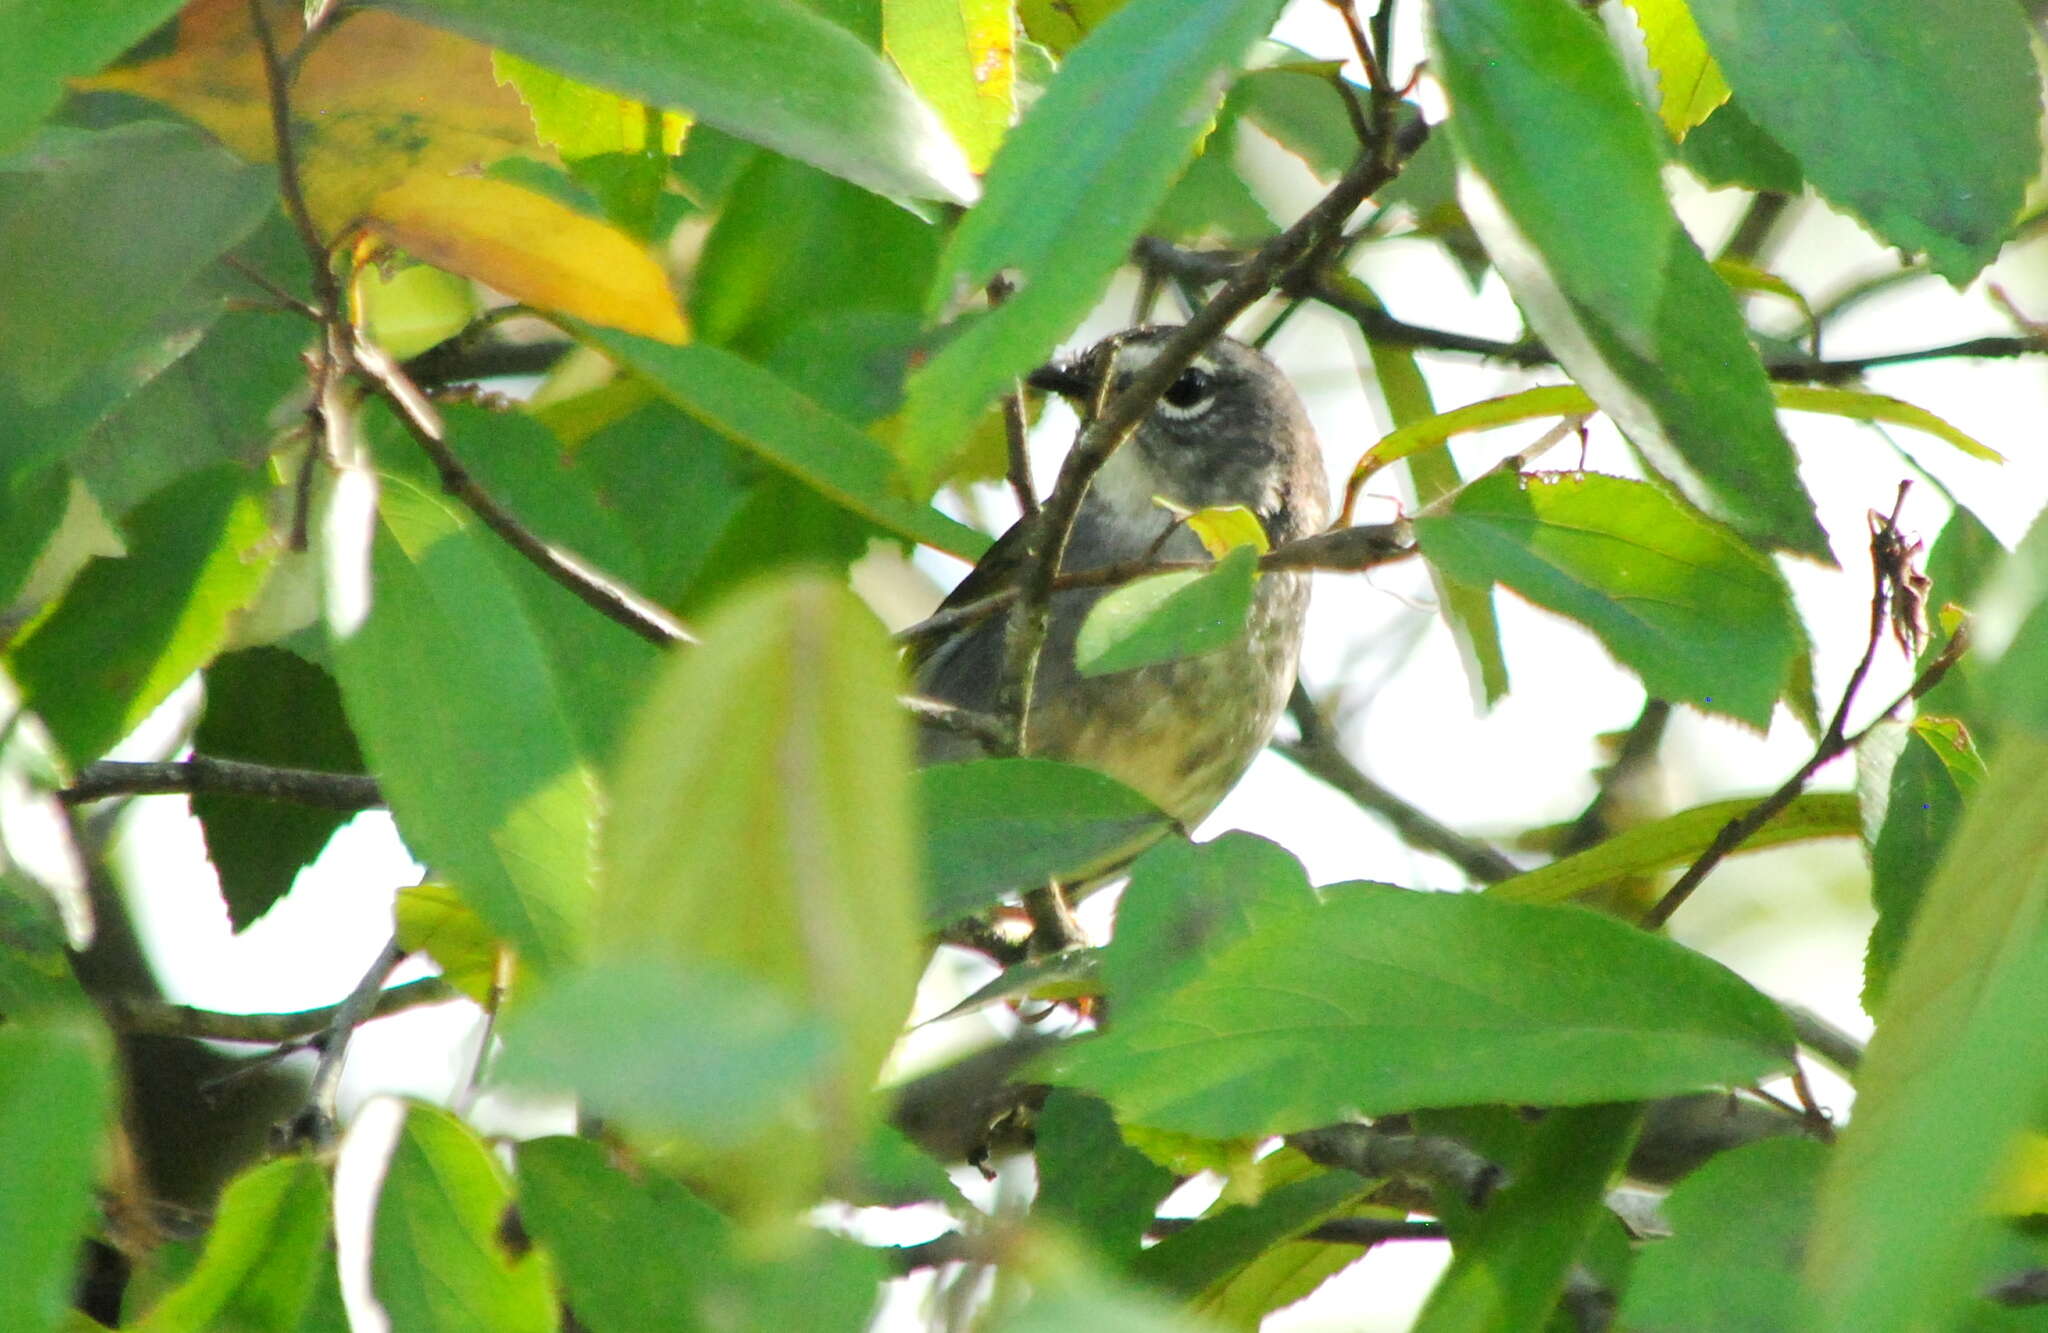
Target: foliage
column 749, row 289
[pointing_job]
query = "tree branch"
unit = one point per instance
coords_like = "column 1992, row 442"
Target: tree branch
column 158, row 1018
column 202, row 773
column 1423, row 1158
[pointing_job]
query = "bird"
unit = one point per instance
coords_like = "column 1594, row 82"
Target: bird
column 1229, row 430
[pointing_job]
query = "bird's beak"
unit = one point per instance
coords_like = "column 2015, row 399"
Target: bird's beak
column 1065, row 378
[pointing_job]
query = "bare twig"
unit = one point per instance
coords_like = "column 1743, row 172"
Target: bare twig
column 318, row 1121
column 1018, row 467
column 1833, row 743
column 156, row 1018
column 1350, row 550
column 1319, row 752
column 277, row 86
column 1823, row 1038
column 991, row 731
column 1636, row 753
column 203, row 773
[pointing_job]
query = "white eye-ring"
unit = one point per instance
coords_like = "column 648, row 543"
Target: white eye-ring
column 1191, row 394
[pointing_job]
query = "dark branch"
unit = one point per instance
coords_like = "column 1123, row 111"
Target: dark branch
column 156, row 1018
column 202, row 773
column 1425, row 1159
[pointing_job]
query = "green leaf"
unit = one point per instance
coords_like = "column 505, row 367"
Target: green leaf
column 792, row 241
column 1683, row 603
column 1964, row 558
column 1738, row 1229
column 761, row 820
column 432, row 919
column 1940, row 91
column 1545, row 118
column 1955, row 1073
column 33, row 504
column 1935, row 777
column 996, row 826
column 131, row 629
column 1677, row 840
column 1510, row 1260
column 1298, row 103
column 765, row 415
column 1857, row 405
column 181, row 200
column 449, row 690
column 745, row 1052
column 579, row 121
column 1313, row 1017
column 1168, row 616
column 436, row 1260
column 1187, row 901
column 268, row 706
column 56, row 1097
column 1213, row 1250
column 600, row 671
column 1729, row 149
column 1068, row 192
column 960, row 55
column 1089, row 1179
column 736, row 67
column 264, row 1257
column 44, row 42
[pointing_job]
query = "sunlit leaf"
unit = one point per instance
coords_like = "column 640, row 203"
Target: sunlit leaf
column 1922, row 801
column 414, row 308
column 1224, row 528
column 1676, row 840
column 1939, row 92
column 1954, row 1075
column 577, row 120
column 1311, row 1017
column 1695, row 611
column 433, row 919
column 263, row 1258
column 56, row 1094
column 130, row 630
column 960, row 57
column 437, row 1263
column 1621, row 294
column 1689, row 84
column 736, row 67
column 449, row 689
column 1859, row 405
column 773, row 755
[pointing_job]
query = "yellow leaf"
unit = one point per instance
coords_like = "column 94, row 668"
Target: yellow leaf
column 432, row 918
column 532, row 249
column 1224, row 528
column 394, row 123
column 1689, row 83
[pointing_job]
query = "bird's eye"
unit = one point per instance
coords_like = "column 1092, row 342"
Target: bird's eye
column 1189, row 393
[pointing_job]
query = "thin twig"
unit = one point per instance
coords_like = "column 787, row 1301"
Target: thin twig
column 1351, row 550
column 318, row 1121
column 1018, row 467
column 1637, row 751
column 1832, row 745
column 607, row 596
column 203, row 773
column 1319, row 752
column 156, row 1018
column 1823, row 1038
column 277, row 86
column 991, row 731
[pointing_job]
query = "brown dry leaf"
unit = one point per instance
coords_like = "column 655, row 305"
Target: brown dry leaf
column 395, row 123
